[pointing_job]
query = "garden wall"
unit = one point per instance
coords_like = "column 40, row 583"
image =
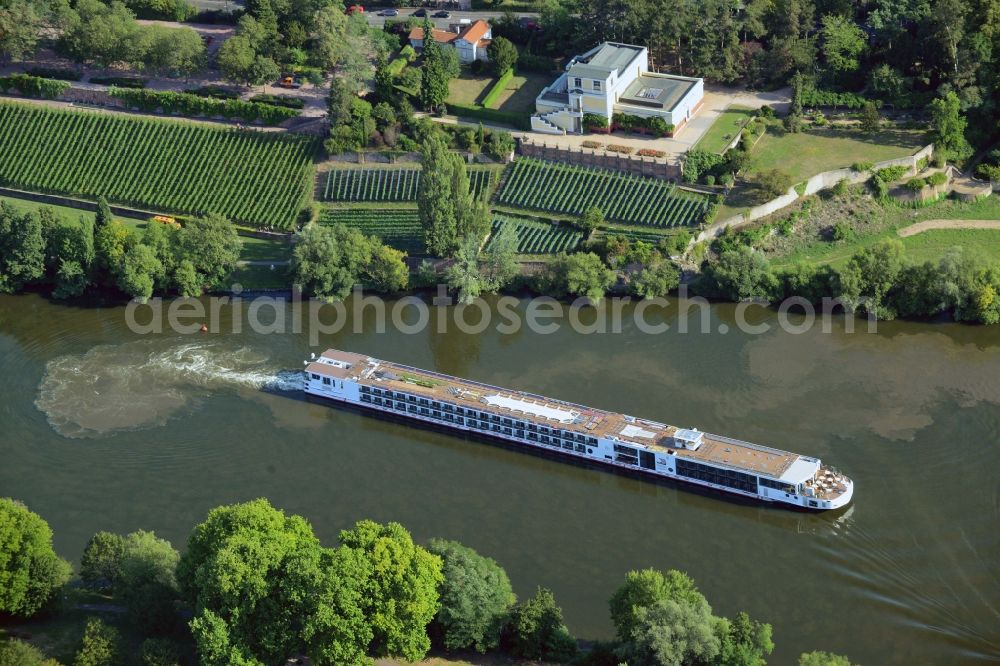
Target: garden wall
column 640, row 166
column 818, row 183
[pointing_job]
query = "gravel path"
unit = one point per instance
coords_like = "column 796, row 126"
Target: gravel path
column 926, row 225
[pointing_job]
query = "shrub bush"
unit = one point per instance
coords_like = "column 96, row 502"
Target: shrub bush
column 700, row 162
column 861, row 167
column 656, row 125
column 988, row 172
column 60, row 73
column 812, row 96
column 497, row 88
column 890, row 174
column 650, row 152
column 279, row 100
column 937, row 178
column 915, row 184
column 120, row 81
column 397, row 65
column 593, row 121
column 591, row 144
column 618, row 148
column 213, row 91
column 33, row 86
column 192, row 105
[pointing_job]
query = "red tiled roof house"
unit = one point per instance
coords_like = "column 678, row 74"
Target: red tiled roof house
column 470, row 39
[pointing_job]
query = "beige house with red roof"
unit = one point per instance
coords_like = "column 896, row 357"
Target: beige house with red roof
column 470, row 39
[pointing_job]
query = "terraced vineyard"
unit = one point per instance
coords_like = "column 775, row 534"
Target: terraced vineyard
column 397, row 228
column 536, row 237
column 570, row 190
column 256, row 178
column 375, row 184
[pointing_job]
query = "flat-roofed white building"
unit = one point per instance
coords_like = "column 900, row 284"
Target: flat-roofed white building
column 615, row 78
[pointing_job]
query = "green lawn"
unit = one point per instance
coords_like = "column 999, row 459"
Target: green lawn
column 931, row 245
column 259, row 249
column 520, row 93
column 65, row 212
column 468, row 88
column 927, row 246
column 814, row 151
column 261, row 277
column 725, row 128
column 518, row 97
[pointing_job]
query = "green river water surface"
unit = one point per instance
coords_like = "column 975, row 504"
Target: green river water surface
column 101, row 428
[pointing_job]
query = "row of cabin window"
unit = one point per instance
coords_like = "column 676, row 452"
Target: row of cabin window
column 722, row 477
column 464, row 411
column 482, row 425
column 578, row 84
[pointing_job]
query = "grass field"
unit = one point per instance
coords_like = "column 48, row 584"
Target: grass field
column 518, row 96
column 808, row 153
column 170, row 166
column 725, row 128
column 929, row 245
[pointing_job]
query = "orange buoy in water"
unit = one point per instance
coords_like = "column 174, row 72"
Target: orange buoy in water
column 204, row 328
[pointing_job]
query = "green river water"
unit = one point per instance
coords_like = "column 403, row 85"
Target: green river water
column 101, row 428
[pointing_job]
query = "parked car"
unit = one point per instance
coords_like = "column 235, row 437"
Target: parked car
column 420, row 13
column 389, row 12
column 356, row 9
column 289, row 82
column 442, row 14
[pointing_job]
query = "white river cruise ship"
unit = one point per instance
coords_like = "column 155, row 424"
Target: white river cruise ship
column 607, row 438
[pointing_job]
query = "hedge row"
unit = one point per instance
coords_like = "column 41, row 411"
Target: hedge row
column 33, row 86
column 497, row 88
column 192, row 105
column 280, row 100
column 61, row 73
column 397, row 65
column 815, row 97
column 518, row 120
column 119, row 81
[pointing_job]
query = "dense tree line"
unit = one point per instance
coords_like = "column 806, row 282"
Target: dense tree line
column 263, row 589
column 38, row 247
column 877, row 281
column 901, row 52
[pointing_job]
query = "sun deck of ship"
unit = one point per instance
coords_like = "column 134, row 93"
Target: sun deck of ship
column 544, row 411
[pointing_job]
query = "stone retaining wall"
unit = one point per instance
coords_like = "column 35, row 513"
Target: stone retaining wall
column 639, row 166
column 818, row 183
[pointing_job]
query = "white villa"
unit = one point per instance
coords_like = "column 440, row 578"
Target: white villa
column 614, row 78
column 470, row 39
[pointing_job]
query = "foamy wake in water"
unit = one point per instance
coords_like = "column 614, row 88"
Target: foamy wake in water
column 142, row 384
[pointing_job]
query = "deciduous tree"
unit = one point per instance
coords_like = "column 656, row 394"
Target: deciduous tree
column 475, row 597
column 30, row 571
column 400, row 592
